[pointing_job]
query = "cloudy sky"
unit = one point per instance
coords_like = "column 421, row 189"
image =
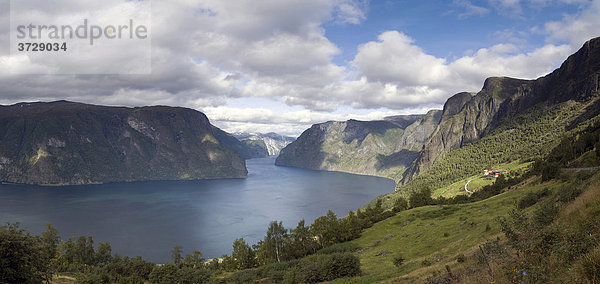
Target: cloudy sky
column 282, row 65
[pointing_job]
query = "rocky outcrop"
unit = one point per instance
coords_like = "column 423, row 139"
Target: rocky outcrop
column 416, row 134
column 465, row 120
column 63, row 143
column 455, row 104
column 403, row 121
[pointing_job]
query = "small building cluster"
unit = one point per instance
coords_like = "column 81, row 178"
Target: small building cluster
column 491, row 173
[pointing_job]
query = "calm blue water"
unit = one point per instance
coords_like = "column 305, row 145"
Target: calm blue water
column 149, row 218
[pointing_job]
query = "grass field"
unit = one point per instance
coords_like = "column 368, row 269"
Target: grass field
column 430, row 237
column 477, row 181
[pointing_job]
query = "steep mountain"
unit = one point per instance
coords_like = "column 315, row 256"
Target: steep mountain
column 417, row 133
column 384, row 148
column 464, row 119
column 270, row 142
column 71, row 143
column 557, row 102
column 248, row 149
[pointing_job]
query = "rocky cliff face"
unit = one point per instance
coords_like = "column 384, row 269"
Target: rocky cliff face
column 417, row 133
column 246, row 149
column 383, row 148
column 270, row 143
column 465, row 120
column 70, row 143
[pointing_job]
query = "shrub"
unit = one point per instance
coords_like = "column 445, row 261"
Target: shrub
column 527, row 200
column 545, row 214
column 420, row 198
column 550, row 171
column 532, row 198
column 276, row 271
column 398, row 260
column 426, row 262
column 569, row 193
column 589, row 266
column 400, row 205
column 461, row 258
column 244, row 276
column 321, row 268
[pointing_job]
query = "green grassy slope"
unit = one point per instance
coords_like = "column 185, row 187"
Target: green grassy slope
column 428, row 238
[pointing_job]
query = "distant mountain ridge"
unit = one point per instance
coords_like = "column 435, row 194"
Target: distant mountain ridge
column 64, row 143
column 385, row 148
column 271, row 142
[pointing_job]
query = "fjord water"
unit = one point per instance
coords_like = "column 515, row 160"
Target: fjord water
column 149, row 218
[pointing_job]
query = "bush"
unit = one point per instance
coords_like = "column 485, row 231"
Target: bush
column 244, row 276
column 545, row 214
column 532, row 198
column 568, row 193
column 589, row 266
column 461, row 258
column 276, row 271
column 550, row 171
column 420, row 198
column 398, row 260
column 321, row 268
column 400, row 205
column 166, row 273
column 527, row 200
column 339, row 248
column 426, row 262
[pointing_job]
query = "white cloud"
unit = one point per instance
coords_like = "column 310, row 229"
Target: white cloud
column 576, row 29
column 351, row 11
column 395, row 58
column 397, row 73
column 470, row 9
column 207, row 53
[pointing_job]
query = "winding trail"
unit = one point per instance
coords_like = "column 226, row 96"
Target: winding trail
column 466, row 189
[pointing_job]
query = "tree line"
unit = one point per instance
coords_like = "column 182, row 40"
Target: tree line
column 27, row 258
